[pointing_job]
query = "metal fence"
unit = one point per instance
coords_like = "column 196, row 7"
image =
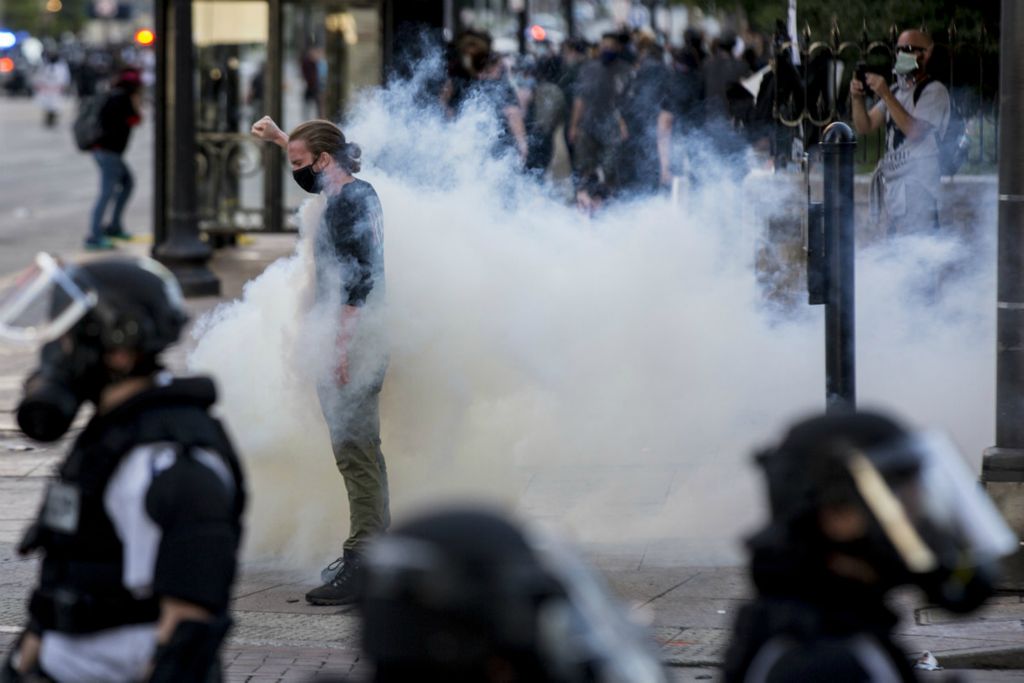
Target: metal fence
column 811, row 83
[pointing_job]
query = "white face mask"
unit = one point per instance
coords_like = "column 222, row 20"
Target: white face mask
column 905, row 63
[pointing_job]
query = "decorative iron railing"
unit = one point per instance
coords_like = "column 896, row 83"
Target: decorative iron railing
column 230, row 169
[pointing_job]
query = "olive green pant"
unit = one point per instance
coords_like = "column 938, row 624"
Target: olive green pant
column 353, row 418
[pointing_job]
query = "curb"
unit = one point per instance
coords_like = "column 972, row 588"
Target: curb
column 1011, row 657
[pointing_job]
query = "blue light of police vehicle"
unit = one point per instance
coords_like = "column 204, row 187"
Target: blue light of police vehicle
column 7, row 39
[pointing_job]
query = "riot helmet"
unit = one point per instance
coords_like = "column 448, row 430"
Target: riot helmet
column 464, row 594
column 925, row 519
column 81, row 313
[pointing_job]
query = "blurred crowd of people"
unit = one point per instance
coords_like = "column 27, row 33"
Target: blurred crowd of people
column 632, row 113
column 71, row 68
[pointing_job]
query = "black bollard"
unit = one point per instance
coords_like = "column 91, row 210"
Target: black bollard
column 838, row 147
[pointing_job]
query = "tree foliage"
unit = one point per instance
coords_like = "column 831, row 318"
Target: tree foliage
column 32, row 16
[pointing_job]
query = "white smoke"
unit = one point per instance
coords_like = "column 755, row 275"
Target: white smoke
column 612, row 375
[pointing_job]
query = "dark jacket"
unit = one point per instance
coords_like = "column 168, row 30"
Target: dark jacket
column 117, row 118
column 808, row 624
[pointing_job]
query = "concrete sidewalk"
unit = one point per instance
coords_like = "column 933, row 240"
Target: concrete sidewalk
column 279, row 638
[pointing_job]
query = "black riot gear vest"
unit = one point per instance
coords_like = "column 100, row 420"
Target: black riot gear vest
column 81, row 588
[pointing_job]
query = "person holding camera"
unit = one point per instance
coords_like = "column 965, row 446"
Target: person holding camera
column 915, row 114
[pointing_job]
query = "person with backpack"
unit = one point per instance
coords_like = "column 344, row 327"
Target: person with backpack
column 113, row 117
column 916, row 116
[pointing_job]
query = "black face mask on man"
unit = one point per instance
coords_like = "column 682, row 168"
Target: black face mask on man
column 307, row 178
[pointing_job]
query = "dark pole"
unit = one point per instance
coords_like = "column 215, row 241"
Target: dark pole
column 570, row 19
column 523, row 22
column 160, row 125
column 182, row 251
column 1002, row 468
column 838, row 147
column 273, row 200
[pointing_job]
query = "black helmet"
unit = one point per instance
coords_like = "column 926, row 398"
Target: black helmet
column 139, row 305
column 807, row 469
column 458, row 592
column 923, row 518
column 81, row 313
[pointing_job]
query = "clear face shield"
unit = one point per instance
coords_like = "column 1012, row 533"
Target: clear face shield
column 929, row 505
column 592, row 628
column 42, row 303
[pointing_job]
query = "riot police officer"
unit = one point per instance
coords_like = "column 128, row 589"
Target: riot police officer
column 464, row 594
column 140, row 529
column 859, row 505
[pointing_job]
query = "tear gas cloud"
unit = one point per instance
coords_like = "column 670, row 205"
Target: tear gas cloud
column 611, row 375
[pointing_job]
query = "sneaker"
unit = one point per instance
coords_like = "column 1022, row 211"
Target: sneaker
column 344, row 588
column 118, row 234
column 101, row 244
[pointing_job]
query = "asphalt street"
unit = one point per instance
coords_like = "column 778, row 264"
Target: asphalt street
column 47, row 186
column 46, row 192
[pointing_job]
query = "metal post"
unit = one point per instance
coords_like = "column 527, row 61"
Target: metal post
column 838, row 147
column 273, row 201
column 1003, row 465
column 568, row 7
column 523, row 21
column 160, row 125
column 182, row 251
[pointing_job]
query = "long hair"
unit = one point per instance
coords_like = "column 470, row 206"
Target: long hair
column 322, row 136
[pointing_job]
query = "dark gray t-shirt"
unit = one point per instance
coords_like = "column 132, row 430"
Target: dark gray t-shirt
column 601, row 86
column 349, row 251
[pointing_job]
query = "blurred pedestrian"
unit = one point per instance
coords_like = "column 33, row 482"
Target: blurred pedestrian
column 468, row 55
column 721, row 70
column 349, row 262
column 120, row 113
column 140, row 527
column 312, row 95
column 642, row 102
column 681, row 116
column 494, row 91
column 50, row 82
column 466, row 595
column 596, row 127
column 859, row 506
column 544, row 106
column 574, row 55
column 478, row 77
column 721, row 74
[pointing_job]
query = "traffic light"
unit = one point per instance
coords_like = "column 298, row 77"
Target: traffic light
column 144, row 37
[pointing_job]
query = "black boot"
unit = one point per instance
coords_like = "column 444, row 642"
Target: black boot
column 344, row 588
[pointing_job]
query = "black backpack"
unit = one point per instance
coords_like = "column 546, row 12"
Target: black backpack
column 954, row 144
column 88, row 125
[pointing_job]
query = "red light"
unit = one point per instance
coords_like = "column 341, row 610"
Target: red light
column 144, row 37
column 6, row 65
column 538, row 33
